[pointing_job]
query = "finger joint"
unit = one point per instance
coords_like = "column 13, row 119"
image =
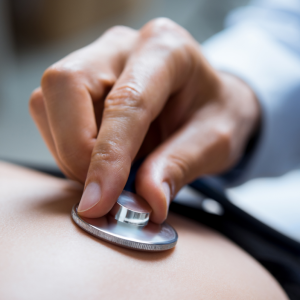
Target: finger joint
column 127, row 100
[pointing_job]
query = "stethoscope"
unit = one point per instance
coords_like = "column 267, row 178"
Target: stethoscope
column 128, row 223
column 230, row 213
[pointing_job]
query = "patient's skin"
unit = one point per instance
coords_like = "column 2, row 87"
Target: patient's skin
column 44, row 255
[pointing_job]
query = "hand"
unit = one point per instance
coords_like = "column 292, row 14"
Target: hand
column 136, row 93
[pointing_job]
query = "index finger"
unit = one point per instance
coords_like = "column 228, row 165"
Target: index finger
column 157, row 67
column 74, row 86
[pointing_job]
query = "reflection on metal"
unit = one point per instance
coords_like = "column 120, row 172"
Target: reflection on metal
column 132, row 209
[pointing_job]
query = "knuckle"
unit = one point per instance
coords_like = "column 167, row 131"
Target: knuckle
column 165, row 29
column 107, row 153
column 107, row 80
column 119, row 30
column 59, row 74
column 126, row 98
column 162, row 25
column 36, row 101
column 167, row 35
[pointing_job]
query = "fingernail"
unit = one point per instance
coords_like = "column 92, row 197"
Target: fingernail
column 167, row 192
column 91, row 196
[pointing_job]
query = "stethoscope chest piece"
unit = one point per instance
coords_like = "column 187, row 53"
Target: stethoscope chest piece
column 127, row 225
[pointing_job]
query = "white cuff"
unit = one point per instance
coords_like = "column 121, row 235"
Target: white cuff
column 272, row 70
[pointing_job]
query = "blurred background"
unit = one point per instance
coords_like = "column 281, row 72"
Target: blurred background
column 36, row 33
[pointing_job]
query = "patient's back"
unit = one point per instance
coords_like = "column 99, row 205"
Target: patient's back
column 44, row 255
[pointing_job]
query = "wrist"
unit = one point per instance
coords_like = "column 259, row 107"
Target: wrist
column 244, row 103
column 243, row 112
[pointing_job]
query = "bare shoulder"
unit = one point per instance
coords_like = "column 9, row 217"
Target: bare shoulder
column 44, row 255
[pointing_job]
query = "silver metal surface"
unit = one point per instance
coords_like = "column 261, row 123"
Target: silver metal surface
column 126, row 231
column 132, row 209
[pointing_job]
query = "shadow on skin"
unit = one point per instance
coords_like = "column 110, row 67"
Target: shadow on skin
column 62, row 205
column 59, row 204
column 136, row 254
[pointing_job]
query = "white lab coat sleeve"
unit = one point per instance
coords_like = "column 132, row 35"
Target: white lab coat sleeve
column 261, row 45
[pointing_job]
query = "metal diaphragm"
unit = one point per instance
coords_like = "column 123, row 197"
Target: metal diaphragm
column 127, row 225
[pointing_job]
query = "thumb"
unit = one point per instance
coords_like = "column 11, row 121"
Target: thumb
column 192, row 152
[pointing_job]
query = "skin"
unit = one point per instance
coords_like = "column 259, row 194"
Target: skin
column 142, row 93
column 44, row 255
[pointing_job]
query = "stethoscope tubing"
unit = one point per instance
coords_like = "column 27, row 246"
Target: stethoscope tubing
column 241, row 218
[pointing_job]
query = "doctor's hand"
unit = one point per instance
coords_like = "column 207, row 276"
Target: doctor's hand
column 142, row 93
